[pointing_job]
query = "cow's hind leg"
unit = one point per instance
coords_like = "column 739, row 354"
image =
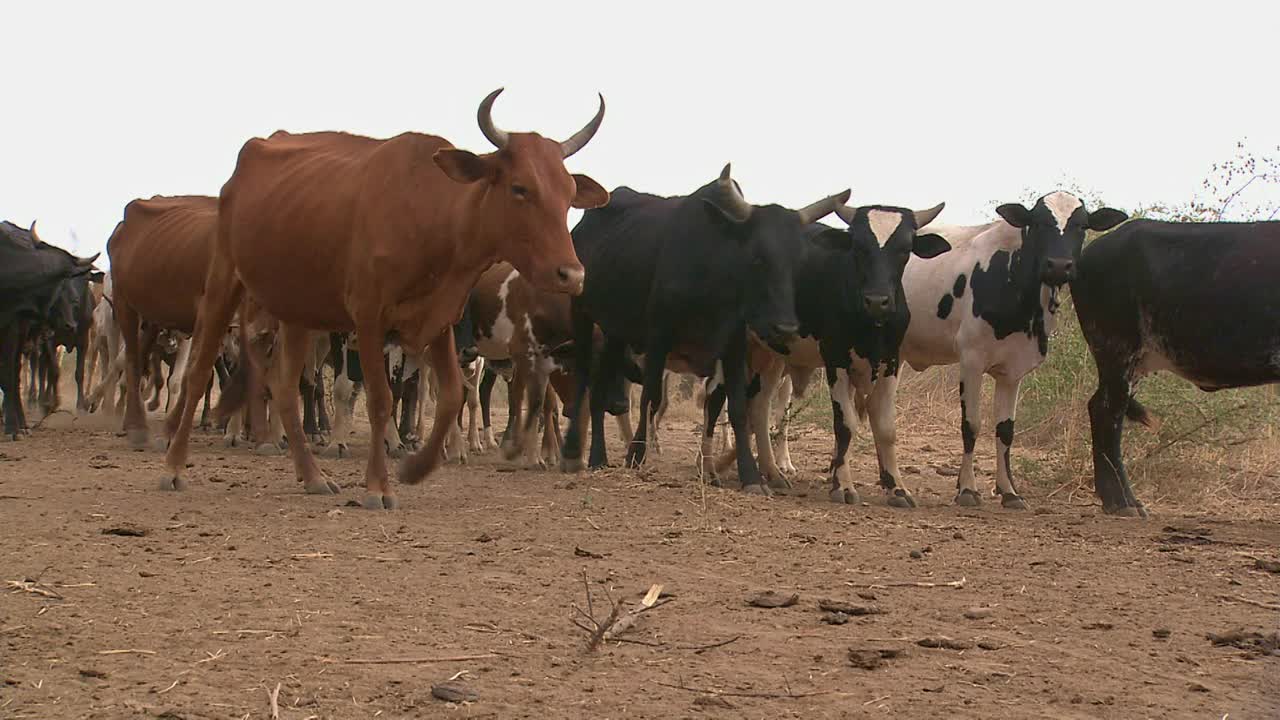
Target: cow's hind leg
column 970, row 423
column 444, row 359
column 135, row 418
column 843, row 418
column 286, row 372
column 1006, row 406
column 760, row 410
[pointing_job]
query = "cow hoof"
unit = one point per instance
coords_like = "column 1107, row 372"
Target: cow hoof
column 1011, row 501
column 317, row 440
column 373, row 501
column 1130, row 511
column 715, row 482
column 757, row 488
column 325, row 487
column 173, row 483
column 138, row 438
column 510, row 452
column 968, row 498
column 336, row 450
column 160, row 444
column 780, row 483
column 571, row 465
column 845, row 496
column 268, row 449
column 231, row 441
column 396, row 453
column 901, row 499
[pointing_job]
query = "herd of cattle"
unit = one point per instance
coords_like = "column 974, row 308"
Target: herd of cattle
column 413, row 268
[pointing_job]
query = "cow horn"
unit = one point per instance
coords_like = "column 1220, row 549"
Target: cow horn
column 583, row 136
column 924, row 217
column 847, row 213
column 34, row 235
column 735, row 206
column 86, row 262
column 485, row 117
column 823, row 207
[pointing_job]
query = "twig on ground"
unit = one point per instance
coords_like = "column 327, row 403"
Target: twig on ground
column 617, row 621
column 908, row 583
column 1247, row 601
column 31, row 586
column 174, row 685
column 417, row 660
column 699, row 649
column 127, row 651
column 274, row 697
column 730, row 693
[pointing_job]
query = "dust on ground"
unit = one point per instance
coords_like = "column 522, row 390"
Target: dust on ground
column 123, row 601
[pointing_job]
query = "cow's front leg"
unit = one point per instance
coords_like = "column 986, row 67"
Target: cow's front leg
column 713, row 403
column 655, row 362
column 884, row 432
column 784, row 398
column 1006, row 406
column 761, row 411
column 970, row 423
column 843, row 417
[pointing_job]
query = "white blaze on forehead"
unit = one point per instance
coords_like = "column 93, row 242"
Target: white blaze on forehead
column 1062, row 205
column 883, row 223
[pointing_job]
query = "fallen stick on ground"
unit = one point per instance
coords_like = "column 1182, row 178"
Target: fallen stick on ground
column 414, row 660
column 274, row 697
column 617, row 621
column 730, row 693
column 908, row 583
column 127, row 651
column 30, row 586
column 699, row 649
column 1247, row 601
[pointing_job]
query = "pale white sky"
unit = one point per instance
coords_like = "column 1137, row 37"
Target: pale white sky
column 908, row 103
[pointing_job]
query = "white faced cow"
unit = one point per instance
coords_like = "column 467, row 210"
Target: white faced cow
column 990, row 305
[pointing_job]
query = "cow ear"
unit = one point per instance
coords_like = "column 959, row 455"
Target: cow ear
column 96, row 276
column 929, row 245
column 1015, row 214
column 1105, row 219
column 462, row 166
column 833, row 239
column 589, row 194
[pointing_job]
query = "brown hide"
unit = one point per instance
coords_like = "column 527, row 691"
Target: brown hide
column 159, row 256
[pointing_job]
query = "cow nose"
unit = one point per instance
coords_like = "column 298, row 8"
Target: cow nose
column 570, row 278
column 877, row 305
column 1059, row 270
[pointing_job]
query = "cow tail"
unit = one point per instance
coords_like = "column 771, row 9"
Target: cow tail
column 233, row 397
column 1139, row 414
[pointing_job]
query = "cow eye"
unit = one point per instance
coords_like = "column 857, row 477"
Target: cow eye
column 520, row 191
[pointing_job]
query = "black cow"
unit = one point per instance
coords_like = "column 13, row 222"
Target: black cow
column 35, row 297
column 683, row 278
column 1200, row 300
column 853, row 316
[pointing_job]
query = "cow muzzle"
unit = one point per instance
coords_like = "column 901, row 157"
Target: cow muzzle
column 878, row 307
column 569, row 279
column 1058, row 271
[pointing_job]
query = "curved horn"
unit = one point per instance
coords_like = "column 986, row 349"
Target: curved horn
column 924, row 217
column 847, row 214
column 583, row 136
column 484, row 116
column 735, row 206
column 86, row 262
column 823, row 207
column 34, row 235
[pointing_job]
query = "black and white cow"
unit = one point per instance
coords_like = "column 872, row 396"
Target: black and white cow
column 1199, row 300
column 990, row 305
column 853, row 315
column 683, row 278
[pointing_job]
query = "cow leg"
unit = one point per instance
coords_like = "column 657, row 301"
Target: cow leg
column 409, row 391
column 1107, row 410
column 970, row 424
column 770, row 377
column 377, row 387
column 10, row 383
column 843, row 417
column 82, row 407
column 597, row 401
column 344, row 397
column 786, row 393
column 536, row 392
column 293, row 344
column 1006, row 405
column 487, row 382
column 135, row 419
column 713, row 399
column 307, row 392
column 444, row 360
column 474, row 440
column 512, row 435
column 208, row 399
column 222, row 295
column 884, row 433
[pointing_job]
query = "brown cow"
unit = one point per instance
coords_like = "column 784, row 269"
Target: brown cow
column 338, row 232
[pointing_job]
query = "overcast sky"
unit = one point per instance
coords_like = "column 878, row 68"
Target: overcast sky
column 908, row 103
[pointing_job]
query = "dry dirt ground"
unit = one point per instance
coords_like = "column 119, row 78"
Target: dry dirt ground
column 213, row 598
